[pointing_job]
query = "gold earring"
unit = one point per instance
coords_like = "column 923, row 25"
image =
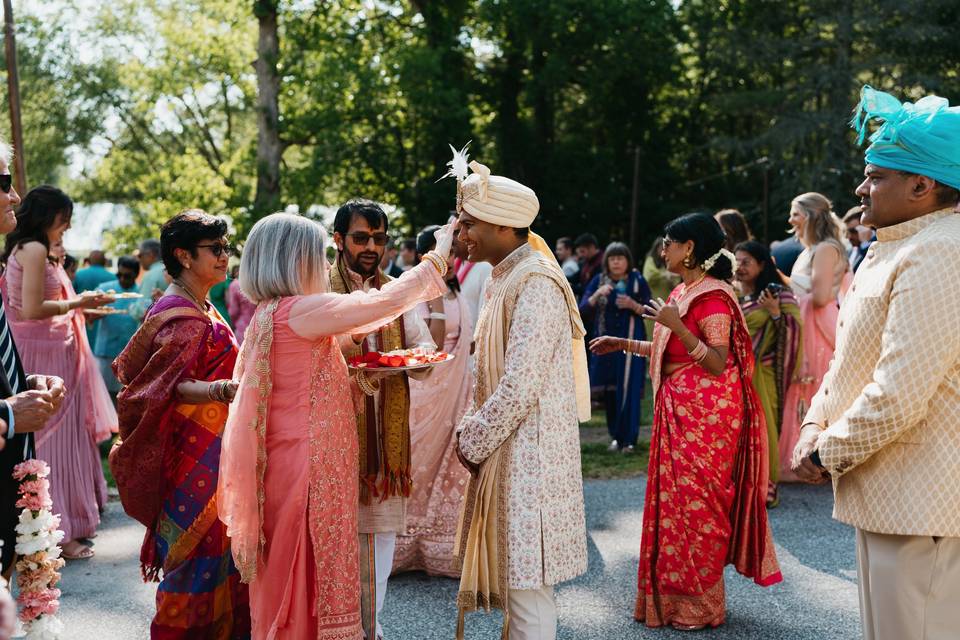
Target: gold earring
column 188, row 266
column 689, row 262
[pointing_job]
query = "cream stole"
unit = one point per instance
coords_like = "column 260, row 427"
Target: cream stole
column 481, row 546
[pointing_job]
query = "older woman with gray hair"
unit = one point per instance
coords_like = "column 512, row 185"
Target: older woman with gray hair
column 289, row 472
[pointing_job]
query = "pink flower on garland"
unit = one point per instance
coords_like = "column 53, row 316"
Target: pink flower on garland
column 38, row 536
column 32, row 467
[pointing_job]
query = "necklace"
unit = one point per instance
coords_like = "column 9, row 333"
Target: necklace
column 179, row 283
column 687, row 288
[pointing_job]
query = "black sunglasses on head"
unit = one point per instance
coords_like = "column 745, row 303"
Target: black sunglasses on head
column 6, row 181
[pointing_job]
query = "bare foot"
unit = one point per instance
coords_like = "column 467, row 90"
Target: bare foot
column 76, row 550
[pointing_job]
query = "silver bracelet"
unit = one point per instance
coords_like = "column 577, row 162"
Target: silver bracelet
column 435, row 315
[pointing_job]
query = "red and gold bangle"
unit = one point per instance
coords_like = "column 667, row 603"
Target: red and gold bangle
column 699, row 352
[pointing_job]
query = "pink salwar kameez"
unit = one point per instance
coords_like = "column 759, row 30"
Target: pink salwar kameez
column 289, row 473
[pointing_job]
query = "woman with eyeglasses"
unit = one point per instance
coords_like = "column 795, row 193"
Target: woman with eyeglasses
column 707, row 479
column 46, row 318
column 177, row 371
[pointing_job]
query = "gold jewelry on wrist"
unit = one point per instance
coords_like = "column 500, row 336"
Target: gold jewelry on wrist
column 699, row 352
column 437, row 261
column 366, row 386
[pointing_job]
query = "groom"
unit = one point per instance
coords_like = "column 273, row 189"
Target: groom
column 522, row 529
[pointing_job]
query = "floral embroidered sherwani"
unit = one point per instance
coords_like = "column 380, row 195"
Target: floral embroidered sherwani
column 546, row 529
column 890, row 403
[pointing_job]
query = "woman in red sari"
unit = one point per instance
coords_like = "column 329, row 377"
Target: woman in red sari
column 706, row 483
column 177, row 372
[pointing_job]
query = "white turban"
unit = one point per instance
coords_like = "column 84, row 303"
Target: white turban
column 498, row 200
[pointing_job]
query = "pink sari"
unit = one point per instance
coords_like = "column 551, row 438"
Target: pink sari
column 819, row 342
column 439, row 480
column 58, row 346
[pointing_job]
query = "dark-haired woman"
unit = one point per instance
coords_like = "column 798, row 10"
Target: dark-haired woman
column 734, row 226
column 613, row 301
column 658, row 277
column 772, row 315
column 436, row 406
column 177, row 373
column 706, row 483
column 46, row 318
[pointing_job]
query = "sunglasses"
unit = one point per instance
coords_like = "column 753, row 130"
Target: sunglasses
column 217, row 249
column 667, row 242
column 6, row 182
column 361, row 238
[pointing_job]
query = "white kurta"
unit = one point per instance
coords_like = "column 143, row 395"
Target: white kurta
column 388, row 516
column 536, row 399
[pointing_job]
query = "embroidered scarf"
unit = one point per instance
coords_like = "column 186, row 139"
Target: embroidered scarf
column 384, row 435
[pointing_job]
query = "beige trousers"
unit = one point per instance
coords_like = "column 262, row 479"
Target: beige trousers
column 909, row 586
column 533, row 614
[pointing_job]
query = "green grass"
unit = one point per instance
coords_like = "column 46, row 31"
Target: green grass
column 598, row 463
column 595, row 461
column 104, row 452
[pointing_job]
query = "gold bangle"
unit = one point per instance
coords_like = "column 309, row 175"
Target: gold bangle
column 437, row 261
column 433, row 260
column 366, row 386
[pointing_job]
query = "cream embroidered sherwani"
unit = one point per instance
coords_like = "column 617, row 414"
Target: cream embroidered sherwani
column 546, row 529
column 891, row 399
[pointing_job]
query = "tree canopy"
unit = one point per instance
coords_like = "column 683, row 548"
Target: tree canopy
column 740, row 103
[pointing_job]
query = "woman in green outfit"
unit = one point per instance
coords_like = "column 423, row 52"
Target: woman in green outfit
column 773, row 320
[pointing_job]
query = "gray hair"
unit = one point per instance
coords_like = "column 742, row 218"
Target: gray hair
column 151, row 246
column 284, row 256
column 6, row 151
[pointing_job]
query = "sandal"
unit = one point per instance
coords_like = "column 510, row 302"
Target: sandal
column 82, row 553
column 773, row 495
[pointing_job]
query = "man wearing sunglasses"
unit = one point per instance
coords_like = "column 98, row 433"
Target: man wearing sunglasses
column 360, row 234
column 26, row 403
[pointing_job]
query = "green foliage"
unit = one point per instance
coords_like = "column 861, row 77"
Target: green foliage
column 560, row 94
column 178, row 85
column 57, row 112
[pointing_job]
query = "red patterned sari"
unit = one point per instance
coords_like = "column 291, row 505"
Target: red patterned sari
column 707, row 479
column 167, row 465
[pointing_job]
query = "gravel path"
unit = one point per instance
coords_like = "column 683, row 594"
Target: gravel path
column 105, row 600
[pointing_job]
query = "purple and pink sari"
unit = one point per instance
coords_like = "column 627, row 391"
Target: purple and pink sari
column 167, row 465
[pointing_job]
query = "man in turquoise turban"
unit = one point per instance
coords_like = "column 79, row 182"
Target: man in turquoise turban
column 885, row 424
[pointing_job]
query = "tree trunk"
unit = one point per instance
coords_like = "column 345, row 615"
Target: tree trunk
column 13, row 88
column 269, row 149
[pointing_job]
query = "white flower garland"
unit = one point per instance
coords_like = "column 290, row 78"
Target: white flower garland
column 712, row 260
column 38, row 539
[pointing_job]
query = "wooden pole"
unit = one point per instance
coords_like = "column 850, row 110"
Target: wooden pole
column 635, row 201
column 766, row 203
column 13, row 92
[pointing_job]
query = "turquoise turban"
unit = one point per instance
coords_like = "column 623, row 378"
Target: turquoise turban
column 922, row 138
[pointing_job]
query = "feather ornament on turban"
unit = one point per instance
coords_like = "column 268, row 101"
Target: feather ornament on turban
column 490, row 198
column 507, row 203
